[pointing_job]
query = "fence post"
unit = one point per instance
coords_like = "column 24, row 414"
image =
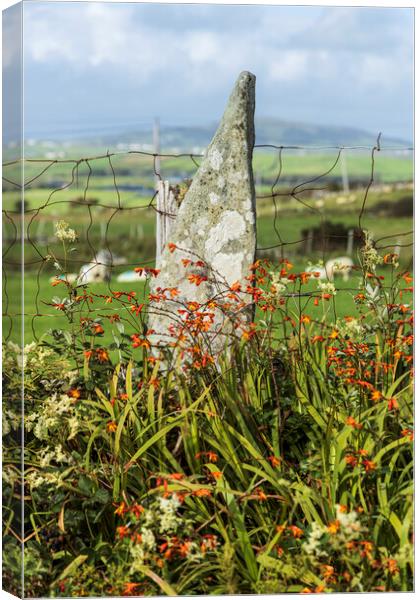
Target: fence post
column 166, row 212
column 350, row 242
column 309, row 242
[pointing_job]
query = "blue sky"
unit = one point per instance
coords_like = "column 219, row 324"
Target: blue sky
column 98, row 67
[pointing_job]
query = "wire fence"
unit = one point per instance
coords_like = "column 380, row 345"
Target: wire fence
column 306, row 209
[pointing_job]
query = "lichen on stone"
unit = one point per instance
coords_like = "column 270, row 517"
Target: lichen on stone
column 216, row 219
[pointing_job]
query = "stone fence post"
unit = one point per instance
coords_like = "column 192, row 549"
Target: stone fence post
column 211, row 244
column 166, row 212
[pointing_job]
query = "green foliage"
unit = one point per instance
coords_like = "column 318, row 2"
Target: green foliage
column 284, row 466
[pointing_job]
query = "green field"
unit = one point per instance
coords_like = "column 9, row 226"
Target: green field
column 109, row 204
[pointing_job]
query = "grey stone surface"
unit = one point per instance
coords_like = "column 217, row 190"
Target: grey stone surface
column 216, row 221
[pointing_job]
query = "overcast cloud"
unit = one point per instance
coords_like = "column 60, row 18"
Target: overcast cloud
column 92, row 67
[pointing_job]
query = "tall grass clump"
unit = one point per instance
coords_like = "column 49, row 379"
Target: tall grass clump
column 281, row 464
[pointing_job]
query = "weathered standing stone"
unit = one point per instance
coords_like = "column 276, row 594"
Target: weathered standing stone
column 215, row 223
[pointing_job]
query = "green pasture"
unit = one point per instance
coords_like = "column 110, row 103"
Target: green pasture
column 139, row 170
column 107, row 211
column 39, row 317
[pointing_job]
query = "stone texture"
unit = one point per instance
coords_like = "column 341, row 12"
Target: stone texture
column 216, row 220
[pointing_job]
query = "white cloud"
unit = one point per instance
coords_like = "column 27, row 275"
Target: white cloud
column 284, row 46
column 301, row 55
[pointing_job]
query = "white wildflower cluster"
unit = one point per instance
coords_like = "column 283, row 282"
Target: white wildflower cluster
column 350, row 328
column 64, row 233
column 57, row 455
column 313, row 544
column 138, row 556
column 370, row 256
column 148, row 539
column 10, row 475
column 194, row 553
column 279, row 283
column 347, row 527
column 168, row 518
column 327, row 287
column 139, row 552
column 51, row 416
column 11, row 421
column 35, row 479
column 350, row 525
column 73, row 424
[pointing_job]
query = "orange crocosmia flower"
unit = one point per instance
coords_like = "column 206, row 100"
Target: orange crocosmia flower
column 393, row 404
column 235, row 287
column 407, row 278
column 376, row 395
column 56, row 281
column 275, row 462
column 59, row 306
column 154, row 381
column 197, row 279
column 216, row 474
column 388, row 258
column 102, row 355
column 136, row 509
column 279, row 551
column 351, row 460
column 212, row 456
column 333, row 334
column 202, row 493
column 333, row 527
column 326, row 296
column 138, row 342
column 408, row 433
column 261, row 494
column 246, row 335
column 305, row 319
column 317, row 338
column 111, row 426
column 353, row 423
column 306, row 590
column 280, row 528
column 391, row 565
column 97, row 328
column 123, row 531
column 297, row 532
column 320, row 589
column 88, row 353
column 121, row 509
column 176, row 476
column 369, row 465
column 130, row 589
column 172, row 247
column 316, row 301
column 74, row 393
column 362, row 452
column 174, row 292
column 193, row 306
column 328, row 572
column 136, row 309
